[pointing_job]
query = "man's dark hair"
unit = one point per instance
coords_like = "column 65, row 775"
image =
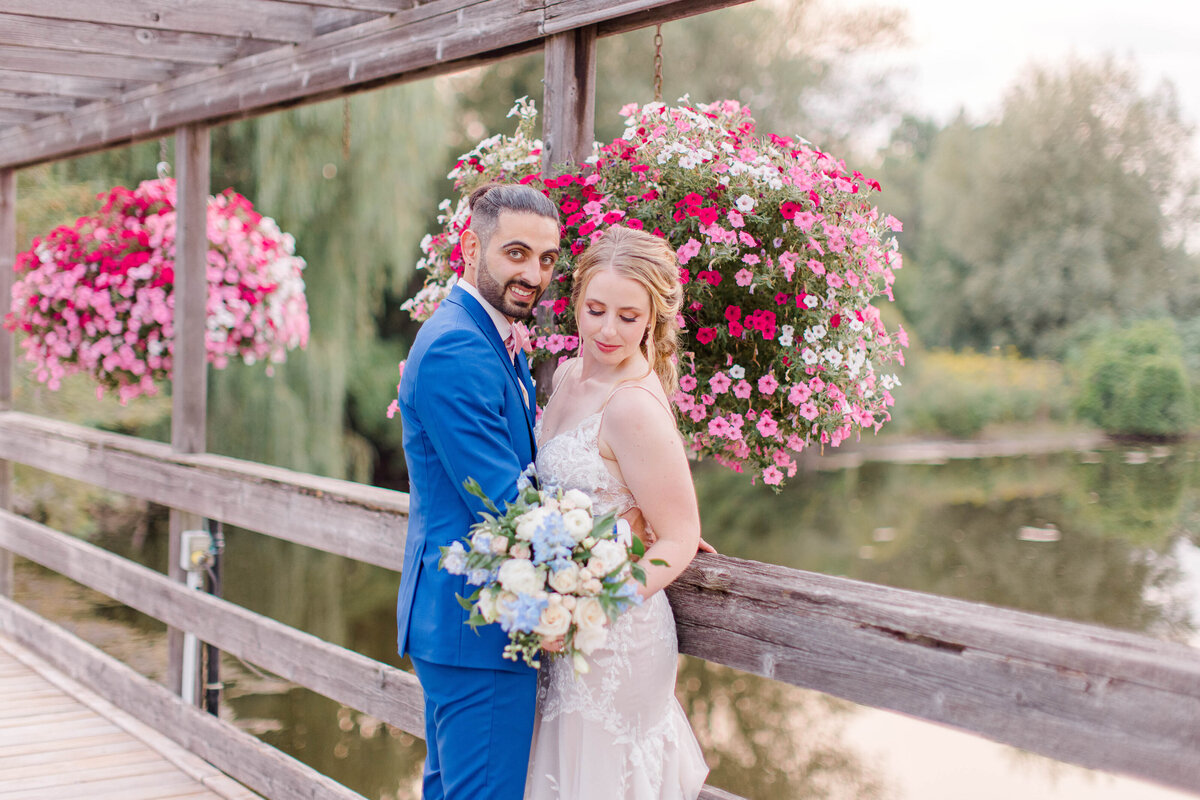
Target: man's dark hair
column 488, row 201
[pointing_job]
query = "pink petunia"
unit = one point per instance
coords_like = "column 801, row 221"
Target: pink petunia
column 688, row 250
column 809, row 411
column 799, row 393
column 742, row 390
column 744, row 277
column 720, row 383
column 766, row 425
column 772, row 476
column 767, row 383
column 687, row 383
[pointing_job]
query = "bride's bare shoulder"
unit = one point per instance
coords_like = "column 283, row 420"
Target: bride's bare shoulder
column 639, row 408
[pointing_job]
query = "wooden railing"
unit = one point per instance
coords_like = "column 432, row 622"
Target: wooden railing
column 1077, row 693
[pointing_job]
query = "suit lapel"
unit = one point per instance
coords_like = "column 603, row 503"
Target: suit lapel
column 522, row 382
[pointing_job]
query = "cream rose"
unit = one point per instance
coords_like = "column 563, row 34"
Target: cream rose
column 591, row 586
column 520, row 577
column 610, row 554
column 521, row 550
column 578, row 523
column 489, row 604
column 591, row 624
column 565, row 580
column 499, row 545
column 577, row 499
column 528, row 523
column 555, row 621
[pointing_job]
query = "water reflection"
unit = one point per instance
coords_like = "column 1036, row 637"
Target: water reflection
column 1125, row 525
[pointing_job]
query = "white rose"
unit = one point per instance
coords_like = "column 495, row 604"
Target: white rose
column 528, row 523
column 568, row 601
column 520, row 577
column 489, row 604
column 521, row 550
column 591, row 586
column 610, row 554
column 590, row 625
column 499, row 545
column 554, row 622
column 578, row 523
column 578, row 499
column 565, row 580
column 550, row 504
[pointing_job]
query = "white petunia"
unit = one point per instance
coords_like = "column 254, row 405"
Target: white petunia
column 737, row 372
column 745, row 203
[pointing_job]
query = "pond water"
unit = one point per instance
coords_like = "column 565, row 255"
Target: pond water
column 1105, row 536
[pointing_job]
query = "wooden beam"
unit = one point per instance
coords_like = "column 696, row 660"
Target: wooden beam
column 1103, row 699
column 40, row 104
column 378, row 6
column 288, row 505
column 8, row 255
column 10, row 117
column 235, row 752
column 189, row 380
column 265, row 20
column 92, row 65
column 428, row 39
column 62, row 85
column 123, row 40
column 382, row 691
column 621, row 17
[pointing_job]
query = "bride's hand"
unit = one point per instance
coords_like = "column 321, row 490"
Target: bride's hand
column 705, row 547
column 554, row 645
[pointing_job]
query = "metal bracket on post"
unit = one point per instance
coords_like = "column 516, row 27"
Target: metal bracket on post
column 195, row 556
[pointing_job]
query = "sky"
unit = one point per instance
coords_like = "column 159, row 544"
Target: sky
column 964, row 54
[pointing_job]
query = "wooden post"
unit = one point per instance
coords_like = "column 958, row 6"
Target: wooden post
column 189, row 384
column 8, row 256
column 568, row 130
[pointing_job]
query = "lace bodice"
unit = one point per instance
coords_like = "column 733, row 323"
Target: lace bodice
column 572, row 460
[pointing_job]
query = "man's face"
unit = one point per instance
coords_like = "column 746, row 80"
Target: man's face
column 515, row 268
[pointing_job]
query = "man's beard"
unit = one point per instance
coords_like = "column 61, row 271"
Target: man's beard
column 491, row 290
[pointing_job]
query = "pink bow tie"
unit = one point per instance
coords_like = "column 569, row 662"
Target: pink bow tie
column 518, row 338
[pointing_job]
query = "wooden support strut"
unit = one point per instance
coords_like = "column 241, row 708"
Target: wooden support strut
column 8, row 255
column 568, row 133
column 189, row 385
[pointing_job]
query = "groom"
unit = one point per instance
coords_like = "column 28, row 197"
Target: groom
column 467, row 401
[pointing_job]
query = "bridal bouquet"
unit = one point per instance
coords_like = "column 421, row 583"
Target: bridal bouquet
column 782, row 255
column 99, row 296
column 547, row 569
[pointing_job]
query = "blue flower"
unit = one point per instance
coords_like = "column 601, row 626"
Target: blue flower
column 455, row 559
column 628, row 591
column 551, row 541
column 478, row 577
column 522, row 614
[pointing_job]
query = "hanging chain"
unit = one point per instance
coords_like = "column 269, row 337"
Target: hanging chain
column 163, row 168
column 658, row 40
column 346, row 128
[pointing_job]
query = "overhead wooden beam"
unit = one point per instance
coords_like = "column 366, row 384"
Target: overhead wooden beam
column 379, row 6
column 92, row 65
column 124, row 40
column 428, row 39
column 8, row 255
column 11, row 117
column 39, row 103
column 63, row 85
column 266, row 20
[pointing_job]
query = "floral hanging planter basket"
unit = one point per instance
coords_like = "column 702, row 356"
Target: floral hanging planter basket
column 98, row 296
column 782, row 255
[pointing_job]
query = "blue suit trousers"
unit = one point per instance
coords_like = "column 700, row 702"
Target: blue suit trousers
column 478, row 729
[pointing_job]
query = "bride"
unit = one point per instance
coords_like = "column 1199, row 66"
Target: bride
column 617, row 732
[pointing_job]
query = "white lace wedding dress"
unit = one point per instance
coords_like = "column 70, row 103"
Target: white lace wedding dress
column 616, row 732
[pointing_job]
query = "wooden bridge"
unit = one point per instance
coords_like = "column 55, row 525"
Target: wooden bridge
column 80, row 76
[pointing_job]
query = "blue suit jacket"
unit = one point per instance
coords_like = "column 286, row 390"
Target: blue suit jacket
column 464, row 416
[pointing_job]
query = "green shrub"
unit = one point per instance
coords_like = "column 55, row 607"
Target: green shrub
column 1134, row 382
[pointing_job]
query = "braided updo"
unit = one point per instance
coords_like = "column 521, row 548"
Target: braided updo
column 651, row 262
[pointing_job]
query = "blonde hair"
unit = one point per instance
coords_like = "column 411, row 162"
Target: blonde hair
column 651, row 262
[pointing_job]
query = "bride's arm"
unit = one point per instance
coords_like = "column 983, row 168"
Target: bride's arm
column 650, row 455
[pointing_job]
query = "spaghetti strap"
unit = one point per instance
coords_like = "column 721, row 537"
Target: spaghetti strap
column 645, row 389
column 558, row 383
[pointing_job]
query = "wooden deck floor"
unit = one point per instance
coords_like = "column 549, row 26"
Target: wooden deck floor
column 59, row 741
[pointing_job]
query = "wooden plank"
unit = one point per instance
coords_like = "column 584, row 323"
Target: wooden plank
column 369, row 522
column 567, row 14
column 8, row 256
column 93, row 65
column 43, row 104
column 74, row 37
column 265, row 20
column 84, row 88
column 428, row 39
column 382, row 691
column 1079, row 693
column 238, row 754
column 11, row 117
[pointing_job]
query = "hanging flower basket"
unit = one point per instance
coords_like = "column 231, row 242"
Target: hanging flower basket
column 781, row 253
column 98, row 296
